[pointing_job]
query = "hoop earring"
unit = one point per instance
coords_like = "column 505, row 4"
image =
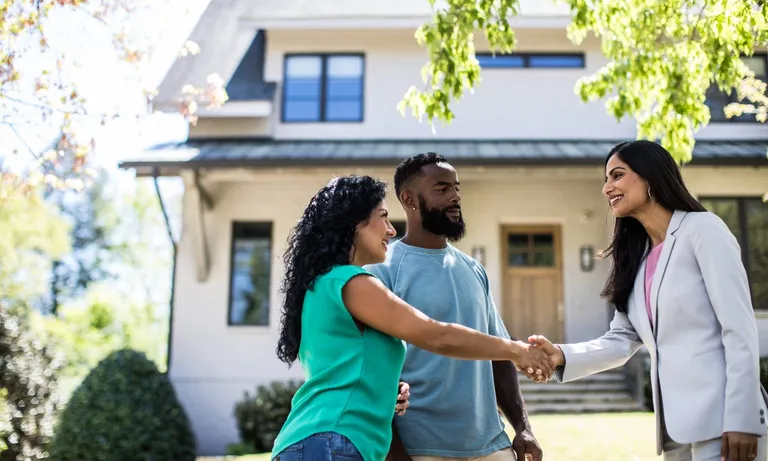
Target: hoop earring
column 650, row 197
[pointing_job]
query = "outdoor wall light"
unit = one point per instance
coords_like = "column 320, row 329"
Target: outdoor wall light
column 478, row 252
column 587, row 258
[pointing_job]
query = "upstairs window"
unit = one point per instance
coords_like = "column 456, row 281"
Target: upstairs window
column 531, row 61
column 717, row 100
column 323, row 88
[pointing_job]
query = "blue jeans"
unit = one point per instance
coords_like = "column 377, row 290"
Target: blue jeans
column 325, row 446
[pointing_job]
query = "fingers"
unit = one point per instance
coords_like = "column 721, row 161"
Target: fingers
column 735, row 452
column 724, row 448
column 752, row 451
column 403, row 398
column 520, row 452
column 402, row 407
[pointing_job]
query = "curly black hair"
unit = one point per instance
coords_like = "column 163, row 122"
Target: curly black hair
column 321, row 240
column 411, row 168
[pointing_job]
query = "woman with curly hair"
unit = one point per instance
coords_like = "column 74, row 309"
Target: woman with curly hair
column 349, row 331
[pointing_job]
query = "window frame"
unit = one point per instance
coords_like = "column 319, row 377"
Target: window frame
column 323, row 85
column 743, row 237
column 733, row 97
column 264, row 229
column 526, row 57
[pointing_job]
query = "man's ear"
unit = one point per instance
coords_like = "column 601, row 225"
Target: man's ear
column 407, row 199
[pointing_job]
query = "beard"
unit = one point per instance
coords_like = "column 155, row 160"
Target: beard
column 436, row 221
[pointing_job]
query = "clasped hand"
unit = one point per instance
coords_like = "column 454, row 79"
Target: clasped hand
column 540, row 359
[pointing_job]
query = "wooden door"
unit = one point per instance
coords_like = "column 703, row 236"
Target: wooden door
column 532, row 281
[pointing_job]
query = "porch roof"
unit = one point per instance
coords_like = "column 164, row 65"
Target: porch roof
column 265, row 153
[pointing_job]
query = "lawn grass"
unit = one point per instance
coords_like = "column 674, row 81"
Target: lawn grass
column 593, row 437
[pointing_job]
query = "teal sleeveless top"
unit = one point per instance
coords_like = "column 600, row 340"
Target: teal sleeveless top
column 351, row 377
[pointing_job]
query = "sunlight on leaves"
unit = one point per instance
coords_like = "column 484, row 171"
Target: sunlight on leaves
column 663, row 57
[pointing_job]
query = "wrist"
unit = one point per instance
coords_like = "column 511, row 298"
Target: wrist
column 516, row 349
column 521, row 426
column 559, row 356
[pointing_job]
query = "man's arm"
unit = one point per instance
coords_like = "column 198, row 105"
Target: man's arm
column 396, row 448
column 508, row 395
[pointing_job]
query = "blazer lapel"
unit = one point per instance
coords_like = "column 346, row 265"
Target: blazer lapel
column 661, row 268
column 641, row 322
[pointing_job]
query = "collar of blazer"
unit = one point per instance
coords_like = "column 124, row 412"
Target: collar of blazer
column 669, row 244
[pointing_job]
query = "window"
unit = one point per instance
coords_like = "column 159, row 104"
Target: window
column 717, row 100
column 531, row 250
column 323, row 88
column 250, row 266
column 542, row 61
column 748, row 220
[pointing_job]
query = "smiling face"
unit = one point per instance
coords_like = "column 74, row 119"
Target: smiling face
column 626, row 191
column 372, row 237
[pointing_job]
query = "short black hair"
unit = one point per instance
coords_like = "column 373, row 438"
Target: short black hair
column 411, row 168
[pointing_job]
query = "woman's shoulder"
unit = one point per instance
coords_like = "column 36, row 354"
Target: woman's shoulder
column 343, row 272
column 704, row 226
column 703, row 221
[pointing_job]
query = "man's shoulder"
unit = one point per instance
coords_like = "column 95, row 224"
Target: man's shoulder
column 468, row 260
column 393, row 259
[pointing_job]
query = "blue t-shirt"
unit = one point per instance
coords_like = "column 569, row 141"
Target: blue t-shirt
column 453, row 410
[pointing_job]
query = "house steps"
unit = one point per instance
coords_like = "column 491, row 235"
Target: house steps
column 604, row 392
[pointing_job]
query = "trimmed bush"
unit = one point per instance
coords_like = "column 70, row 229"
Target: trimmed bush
column 28, row 378
column 125, row 409
column 261, row 416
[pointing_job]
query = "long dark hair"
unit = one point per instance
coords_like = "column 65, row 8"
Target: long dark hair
column 630, row 241
column 322, row 239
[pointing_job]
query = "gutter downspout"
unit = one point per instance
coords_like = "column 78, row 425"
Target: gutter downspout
column 155, row 175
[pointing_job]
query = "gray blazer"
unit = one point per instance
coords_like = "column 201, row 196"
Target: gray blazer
column 704, row 347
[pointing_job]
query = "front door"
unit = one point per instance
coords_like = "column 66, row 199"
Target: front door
column 533, row 281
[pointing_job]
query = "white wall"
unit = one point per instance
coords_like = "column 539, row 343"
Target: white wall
column 508, row 103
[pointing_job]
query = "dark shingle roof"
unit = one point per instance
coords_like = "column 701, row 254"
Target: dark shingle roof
column 271, row 153
column 247, row 83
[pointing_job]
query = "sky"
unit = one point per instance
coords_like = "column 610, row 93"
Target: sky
column 108, row 84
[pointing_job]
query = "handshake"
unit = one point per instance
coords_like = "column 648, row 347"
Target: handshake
column 538, row 359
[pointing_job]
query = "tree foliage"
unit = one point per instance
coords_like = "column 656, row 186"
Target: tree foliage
column 28, row 372
column 32, row 234
column 49, row 90
column 663, row 57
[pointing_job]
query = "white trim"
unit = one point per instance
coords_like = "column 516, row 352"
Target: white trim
column 239, row 109
column 395, row 22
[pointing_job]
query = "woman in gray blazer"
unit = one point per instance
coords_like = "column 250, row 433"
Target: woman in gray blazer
column 679, row 288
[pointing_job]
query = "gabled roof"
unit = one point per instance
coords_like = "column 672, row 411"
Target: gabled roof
column 226, row 48
column 270, row 153
column 247, row 83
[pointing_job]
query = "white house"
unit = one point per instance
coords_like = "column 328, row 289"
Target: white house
column 313, row 88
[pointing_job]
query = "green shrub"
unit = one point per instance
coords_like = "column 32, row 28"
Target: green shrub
column 764, row 372
column 124, row 409
column 28, row 401
column 261, row 416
